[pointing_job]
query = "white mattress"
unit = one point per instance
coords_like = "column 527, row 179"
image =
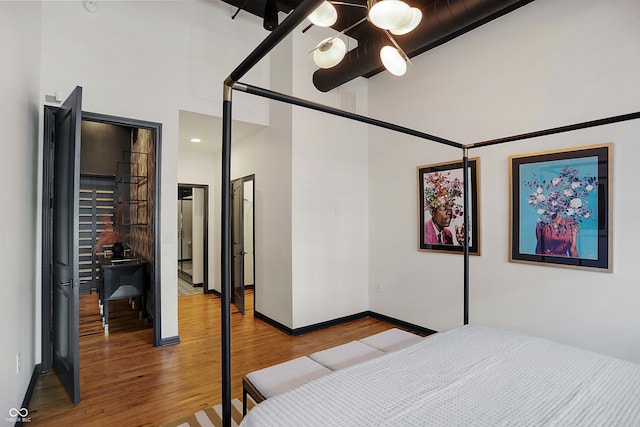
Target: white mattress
column 468, row 376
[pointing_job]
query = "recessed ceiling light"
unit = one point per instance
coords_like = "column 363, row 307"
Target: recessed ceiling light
column 195, row 140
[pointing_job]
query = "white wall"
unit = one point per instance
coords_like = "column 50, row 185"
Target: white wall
column 148, row 60
column 310, row 198
column 19, row 218
column 330, row 199
column 547, row 64
column 267, row 154
column 197, row 168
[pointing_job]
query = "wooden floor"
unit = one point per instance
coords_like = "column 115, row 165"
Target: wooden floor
column 125, row 381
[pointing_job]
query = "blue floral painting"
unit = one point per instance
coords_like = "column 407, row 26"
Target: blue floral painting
column 560, row 189
column 560, row 208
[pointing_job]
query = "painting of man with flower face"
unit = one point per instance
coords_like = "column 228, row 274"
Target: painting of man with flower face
column 441, row 212
column 562, row 216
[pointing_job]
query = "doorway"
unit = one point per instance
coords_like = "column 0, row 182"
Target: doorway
column 139, row 221
column 192, row 239
column 243, row 239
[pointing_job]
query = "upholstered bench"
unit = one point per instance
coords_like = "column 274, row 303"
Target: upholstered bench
column 392, row 340
column 345, row 355
column 273, row 380
column 276, row 379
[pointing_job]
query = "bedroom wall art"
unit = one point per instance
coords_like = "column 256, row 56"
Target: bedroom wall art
column 561, row 208
column 440, row 207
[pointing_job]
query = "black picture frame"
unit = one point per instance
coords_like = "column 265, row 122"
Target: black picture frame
column 561, row 208
column 446, row 178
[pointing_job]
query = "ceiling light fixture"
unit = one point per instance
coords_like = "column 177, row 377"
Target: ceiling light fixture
column 270, row 20
column 195, row 140
column 329, row 52
column 389, row 14
column 392, row 16
column 393, row 60
column 325, row 15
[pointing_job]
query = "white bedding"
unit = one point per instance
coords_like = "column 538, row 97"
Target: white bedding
column 467, row 376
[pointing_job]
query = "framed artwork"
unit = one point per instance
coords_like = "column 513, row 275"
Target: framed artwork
column 561, row 208
column 440, row 207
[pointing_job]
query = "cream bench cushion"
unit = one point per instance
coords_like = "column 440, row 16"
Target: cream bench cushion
column 392, row 340
column 342, row 356
column 276, row 379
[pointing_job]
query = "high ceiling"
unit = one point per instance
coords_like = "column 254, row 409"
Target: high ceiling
column 442, row 21
column 209, row 130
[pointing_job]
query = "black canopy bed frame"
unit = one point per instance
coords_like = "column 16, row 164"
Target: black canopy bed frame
column 232, row 82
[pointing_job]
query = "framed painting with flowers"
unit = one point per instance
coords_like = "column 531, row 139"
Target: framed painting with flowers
column 440, row 207
column 560, row 208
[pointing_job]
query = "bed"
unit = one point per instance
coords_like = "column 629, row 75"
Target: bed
column 483, row 376
column 470, row 375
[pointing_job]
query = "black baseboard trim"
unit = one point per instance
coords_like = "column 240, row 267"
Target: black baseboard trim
column 273, row 323
column 219, row 294
column 420, row 330
column 29, row 394
column 164, row 342
column 329, row 323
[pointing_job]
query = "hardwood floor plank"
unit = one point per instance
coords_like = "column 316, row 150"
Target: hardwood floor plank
column 125, row 381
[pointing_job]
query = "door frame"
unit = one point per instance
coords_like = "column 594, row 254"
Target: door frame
column 237, row 244
column 47, row 215
column 252, row 178
column 242, row 181
column 205, row 254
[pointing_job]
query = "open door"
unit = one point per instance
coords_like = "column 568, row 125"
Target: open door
column 237, row 237
column 65, row 251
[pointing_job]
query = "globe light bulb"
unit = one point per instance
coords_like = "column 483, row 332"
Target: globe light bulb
column 325, row 15
column 329, row 52
column 393, row 60
column 390, row 14
column 416, row 17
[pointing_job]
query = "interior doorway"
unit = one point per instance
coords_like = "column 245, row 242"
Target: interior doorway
column 243, row 239
column 134, row 214
column 192, row 239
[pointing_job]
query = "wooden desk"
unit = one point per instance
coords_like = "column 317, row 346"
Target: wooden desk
column 126, row 278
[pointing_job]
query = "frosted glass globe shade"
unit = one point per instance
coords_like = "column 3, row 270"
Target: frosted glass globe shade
column 390, row 14
column 393, row 60
column 325, row 15
column 416, row 17
column 329, row 52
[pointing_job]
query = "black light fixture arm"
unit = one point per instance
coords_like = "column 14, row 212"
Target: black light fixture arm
column 244, row 3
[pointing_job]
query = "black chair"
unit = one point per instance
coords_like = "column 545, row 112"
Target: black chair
column 122, row 280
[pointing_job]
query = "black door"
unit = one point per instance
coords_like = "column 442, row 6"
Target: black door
column 237, row 237
column 66, row 188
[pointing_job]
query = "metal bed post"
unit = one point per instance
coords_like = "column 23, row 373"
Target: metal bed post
column 225, row 267
column 465, row 225
column 561, row 129
column 272, row 40
column 276, row 96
